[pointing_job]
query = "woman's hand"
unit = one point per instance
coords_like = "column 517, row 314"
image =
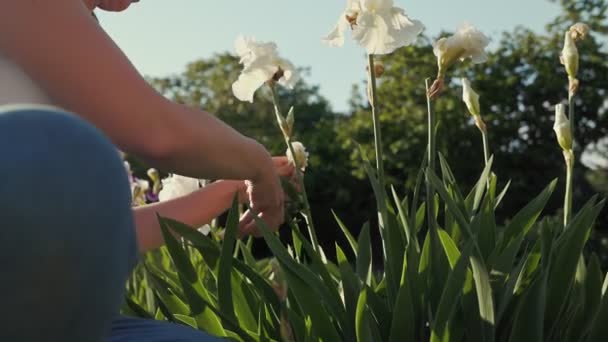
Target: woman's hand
column 114, row 5
column 283, row 169
column 248, row 192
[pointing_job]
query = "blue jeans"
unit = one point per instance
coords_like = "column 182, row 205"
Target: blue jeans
column 67, row 234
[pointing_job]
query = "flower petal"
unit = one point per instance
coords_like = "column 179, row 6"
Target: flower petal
column 371, row 33
column 403, row 28
column 249, row 81
column 336, row 37
column 177, row 186
column 290, row 74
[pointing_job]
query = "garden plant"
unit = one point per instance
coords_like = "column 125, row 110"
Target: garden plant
column 448, row 270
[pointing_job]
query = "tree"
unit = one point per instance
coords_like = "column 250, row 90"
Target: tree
column 519, row 85
column 206, row 84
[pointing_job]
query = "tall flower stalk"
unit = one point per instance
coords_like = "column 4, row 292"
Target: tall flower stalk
column 564, row 127
column 373, row 99
column 471, row 99
column 286, row 127
column 563, row 131
column 380, row 28
column 430, row 192
column 466, row 43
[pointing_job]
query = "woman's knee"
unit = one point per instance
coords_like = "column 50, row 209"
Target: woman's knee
column 67, row 232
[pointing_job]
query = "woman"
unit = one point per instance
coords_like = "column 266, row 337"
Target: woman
column 68, row 98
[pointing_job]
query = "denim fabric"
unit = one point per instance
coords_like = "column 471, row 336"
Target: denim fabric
column 129, row 329
column 67, row 234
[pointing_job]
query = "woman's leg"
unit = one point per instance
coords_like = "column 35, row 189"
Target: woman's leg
column 66, row 228
column 129, row 329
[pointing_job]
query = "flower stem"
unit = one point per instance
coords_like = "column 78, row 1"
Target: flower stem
column 571, row 114
column 569, row 159
column 307, row 212
column 486, row 146
column 376, row 120
column 430, row 193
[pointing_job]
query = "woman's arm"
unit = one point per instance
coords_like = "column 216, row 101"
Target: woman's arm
column 63, row 49
column 195, row 209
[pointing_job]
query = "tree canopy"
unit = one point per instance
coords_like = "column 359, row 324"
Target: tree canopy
column 518, row 85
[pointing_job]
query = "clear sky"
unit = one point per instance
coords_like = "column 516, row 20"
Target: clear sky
column 162, row 36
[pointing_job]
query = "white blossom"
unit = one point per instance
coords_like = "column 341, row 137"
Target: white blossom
column 569, row 56
column 579, row 31
column 176, row 186
column 205, row 229
column 562, row 128
column 467, row 42
column 261, row 63
column 139, row 187
column 377, row 25
column 470, row 97
column 301, row 159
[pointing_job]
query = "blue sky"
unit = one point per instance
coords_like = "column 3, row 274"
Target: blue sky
column 161, row 37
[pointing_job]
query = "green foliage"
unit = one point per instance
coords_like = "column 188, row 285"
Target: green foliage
column 513, row 293
column 483, row 266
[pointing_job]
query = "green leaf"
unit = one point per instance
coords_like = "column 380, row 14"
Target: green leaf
column 414, row 210
column 364, row 256
column 351, row 286
column 403, row 323
column 449, row 247
column 138, row 309
column 508, row 290
column 309, row 288
column 309, row 302
column 389, row 232
column 298, row 326
column 163, row 309
column 592, row 297
column 599, row 328
column 501, row 195
column 246, row 253
column 486, row 231
column 503, row 262
column 409, row 231
column 567, row 257
column 224, row 284
column 593, row 292
column 351, row 239
column 453, row 207
column 450, row 297
column 419, row 217
column 186, row 320
column 425, row 256
column 248, row 304
column 525, row 218
column 481, row 185
column 209, row 249
column 363, row 319
column 260, row 284
column 484, row 297
column 195, row 293
column 381, row 314
column 320, row 267
column 446, row 171
column 529, row 319
column 230, row 324
column 166, row 292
